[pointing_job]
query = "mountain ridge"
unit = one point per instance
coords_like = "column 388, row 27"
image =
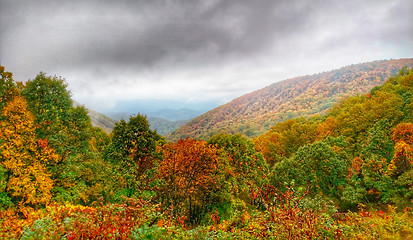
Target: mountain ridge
column 254, row 113
column 173, row 115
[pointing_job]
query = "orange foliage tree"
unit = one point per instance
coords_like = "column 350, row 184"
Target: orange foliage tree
column 271, row 146
column 327, row 128
column 403, row 149
column 285, row 138
column 24, row 156
column 188, row 172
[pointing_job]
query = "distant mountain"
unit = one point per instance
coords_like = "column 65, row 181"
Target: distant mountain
column 255, row 112
column 150, row 106
column 161, row 125
column 119, row 115
column 164, row 126
column 176, row 114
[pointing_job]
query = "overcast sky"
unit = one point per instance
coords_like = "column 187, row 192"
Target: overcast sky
column 189, row 51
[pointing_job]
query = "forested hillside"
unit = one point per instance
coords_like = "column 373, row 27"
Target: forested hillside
column 344, row 175
column 254, row 113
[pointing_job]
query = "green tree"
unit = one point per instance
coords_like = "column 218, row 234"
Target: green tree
column 68, row 129
column 368, row 175
column 8, row 88
column 242, row 166
column 133, row 150
column 321, row 165
column 100, row 140
column 50, row 102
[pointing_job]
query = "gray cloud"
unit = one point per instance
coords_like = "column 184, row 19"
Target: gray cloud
column 195, row 49
column 143, row 33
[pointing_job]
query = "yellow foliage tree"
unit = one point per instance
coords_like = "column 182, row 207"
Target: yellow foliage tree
column 24, row 156
column 271, row 145
column 403, row 150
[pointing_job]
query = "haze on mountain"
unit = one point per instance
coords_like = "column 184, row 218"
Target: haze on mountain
column 193, row 54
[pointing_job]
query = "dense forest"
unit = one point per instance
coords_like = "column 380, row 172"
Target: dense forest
column 344, row 175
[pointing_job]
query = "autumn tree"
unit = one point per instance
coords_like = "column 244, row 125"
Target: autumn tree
column 271, row 145
column 327, row 128
column 285, row 138
column 403, row 154
column 188, row 173
column 8, row 90
column 24, row 156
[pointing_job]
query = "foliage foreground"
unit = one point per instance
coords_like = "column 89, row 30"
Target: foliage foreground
column 139, row 219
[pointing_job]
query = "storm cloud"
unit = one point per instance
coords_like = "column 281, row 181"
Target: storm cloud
column 113, row 51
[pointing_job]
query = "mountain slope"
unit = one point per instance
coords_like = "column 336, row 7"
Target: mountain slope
column 255, row 112
column 101, row 121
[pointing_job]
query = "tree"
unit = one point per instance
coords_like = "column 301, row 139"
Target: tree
column 100, row 140
column 368, row 178
column 49, row 100
column 243, row 167
column 403, row 132
column 240, row 150
column 188, row 172
column 324, row 164
column 403, row 155
column 327, row 128
column 133, row 149
column 321, row 165
column 285, row 138
column 402, row 160
column 68, row 130
column 271, row 145
column 8, row 88
column 24, row 156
